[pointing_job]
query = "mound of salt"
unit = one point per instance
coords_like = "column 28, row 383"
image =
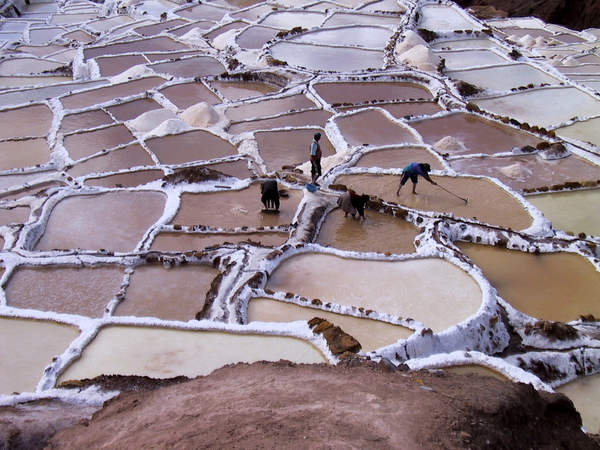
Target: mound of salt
column 150, row 120
column 411, row 39
column 570, row 61
column 516, row 171
column 421, row 57
column 449, row 144
column 171, row 126
column 200, row 115
column 194, row 38
column 132, row 73
column 527, row 41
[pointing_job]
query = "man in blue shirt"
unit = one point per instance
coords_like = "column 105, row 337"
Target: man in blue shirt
column 412, row 171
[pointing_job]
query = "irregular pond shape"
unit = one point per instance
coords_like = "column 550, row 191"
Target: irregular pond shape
column 463, row 43
column 232, row 209
column 169, row 353
column 41, row 36
column 132, row 109
column 543, row 106
column 372, row 127
column 25, row 153
column 254, row 37
column 236, row 90
column 372, row 334
column 558, row 286
column 488, row 202
column 15, row 215
column 520, row 172
column 582, row 131
column 26, row 348
column 336, row 59
column 344, row 18
column 432, row 291
column 85, row 120
column 188, row 94
column 252, row 13
column 36, row 94
column 109, row 93
column 445, row 18
column 113, row 161
column 269, row 107
column 404, row 110
column 31, row 80
column 286, row 20
column 182, row 242
column 289, row 147
column 212, row 35
column 394, row 158
column 114, row 65
column 571, row 211
column 99, row 221
column 203, row 12
column 22, row 66
column 130, row 179
column 198, row 66
column 66, row 290
column 379, row 233
column 356, row 36
column 503, row 78
column 468, row 58
column 87, row 143
column 196, row 145
column 177, row 293
column 315, row 118
column 363, row 92
column 476, row 133
column 16, row 123
column 584, row 392
column 154, row 29
column 153, row 44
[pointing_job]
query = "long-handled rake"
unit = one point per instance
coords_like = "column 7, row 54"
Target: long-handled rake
column 466, row 200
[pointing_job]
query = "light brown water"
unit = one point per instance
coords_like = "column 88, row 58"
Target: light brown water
column 85, row 120
column 182, row 242
column 188, row 94
column 199, row 66
column 377, row 233
column 372, row 334
column 108, row 93
column 131, row 179
column 114, row 65
column 153, row 44
column 86, row 143
column 315, row 118
column 168, row 353
column 571, row 211
column 487, row 202
column 289, row 147
column 26, row 153
column 26, row 348
column 538, row 172
column 585, row 394
column 432, row 291
column 15, row 215
column 370, row 91
column 477, row 134
column 169, row 294
column 373, row 128
column 16, row 123
column 396, row 158
column 113, row 221
column 236, row 90
column 481, row 370
column 132, row 109
column 271, row 107
column 557, row 286
column 113, row 161
column 197, row 145
column 67, row 290
column 232, row 209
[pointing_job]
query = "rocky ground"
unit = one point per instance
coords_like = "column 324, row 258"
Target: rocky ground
column 355, row 405
column 574, row 14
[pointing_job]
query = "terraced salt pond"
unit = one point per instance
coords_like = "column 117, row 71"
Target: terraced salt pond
column 134, row 238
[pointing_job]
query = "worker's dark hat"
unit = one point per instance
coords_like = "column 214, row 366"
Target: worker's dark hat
column 317, row 135
column 426, row 167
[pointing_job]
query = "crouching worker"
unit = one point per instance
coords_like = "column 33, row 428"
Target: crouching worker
column 412, row 171
column 270, row 194
column 353, row 204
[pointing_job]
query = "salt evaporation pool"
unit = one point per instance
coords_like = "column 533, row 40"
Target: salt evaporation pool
column 111, row 181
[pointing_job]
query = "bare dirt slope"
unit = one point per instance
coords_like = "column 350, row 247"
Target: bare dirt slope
column 349, row 406
column 574, row 14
